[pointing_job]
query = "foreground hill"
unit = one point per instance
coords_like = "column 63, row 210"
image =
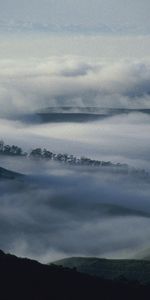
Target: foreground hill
column 27, row 279
column 7, row 174
column 110, row 269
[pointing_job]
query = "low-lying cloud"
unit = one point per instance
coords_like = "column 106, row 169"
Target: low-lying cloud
column 71, row 81
column 123, row 138
column 62, row 211
column 74, row 211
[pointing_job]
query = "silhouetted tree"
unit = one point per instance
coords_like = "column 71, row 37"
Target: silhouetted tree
column 1, row 146
column 7, row 149
column 47, row 154
column 36, row 153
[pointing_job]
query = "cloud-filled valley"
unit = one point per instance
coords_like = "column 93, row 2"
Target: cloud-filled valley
column 56, row 210
column 28, row 88
column 34, row 85
column 61, row 211
column 74, row 148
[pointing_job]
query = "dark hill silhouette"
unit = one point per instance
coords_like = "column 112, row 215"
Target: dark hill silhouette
column 24, row 279
column 7, row 174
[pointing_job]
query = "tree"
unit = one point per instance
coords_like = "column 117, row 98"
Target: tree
column 16, row 150
column 47, row 154
column 7, row 149
column 37, row 153
column 1, row 145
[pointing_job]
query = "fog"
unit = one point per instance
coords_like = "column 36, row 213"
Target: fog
column 30, row 86
column 122, row 138
column 58, row 210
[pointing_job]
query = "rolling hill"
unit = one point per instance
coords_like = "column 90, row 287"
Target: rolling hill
column 138, row 270
column 27, row 279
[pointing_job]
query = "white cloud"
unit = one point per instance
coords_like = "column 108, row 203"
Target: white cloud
column 59, row 207
column 25, row 87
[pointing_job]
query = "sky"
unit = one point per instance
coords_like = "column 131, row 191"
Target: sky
column 86, row 12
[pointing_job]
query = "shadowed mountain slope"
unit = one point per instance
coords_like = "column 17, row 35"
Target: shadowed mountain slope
column 27, row 279
column 7, row 174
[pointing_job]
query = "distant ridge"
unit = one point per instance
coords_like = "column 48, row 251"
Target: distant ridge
column 91, row 109
column 129, row 269
column 83, row 114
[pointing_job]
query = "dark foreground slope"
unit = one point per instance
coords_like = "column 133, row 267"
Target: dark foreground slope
column 7, row 174
column 131, row 270
column 26, row 279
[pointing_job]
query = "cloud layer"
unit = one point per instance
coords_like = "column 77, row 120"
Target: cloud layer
column 70, row 81
column 59, row 212
column 62, row 211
